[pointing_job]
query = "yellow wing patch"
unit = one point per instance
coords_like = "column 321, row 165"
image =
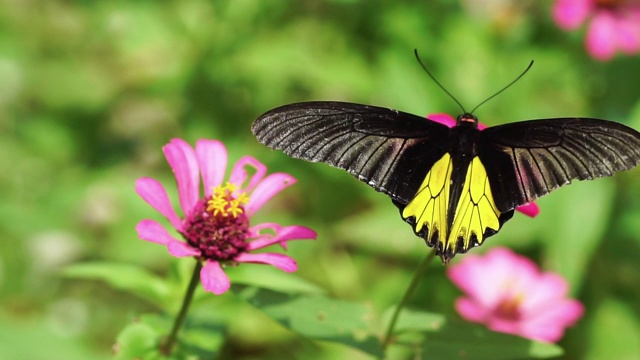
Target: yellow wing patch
column 429, row 205
column 476, row 210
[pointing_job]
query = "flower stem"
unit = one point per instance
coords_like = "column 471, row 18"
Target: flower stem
column 167, row 345
column 412, row 286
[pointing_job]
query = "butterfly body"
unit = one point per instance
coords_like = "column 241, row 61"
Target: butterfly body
column 453, row 208
column 457, row 185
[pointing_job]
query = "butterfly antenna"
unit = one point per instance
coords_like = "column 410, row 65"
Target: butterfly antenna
column 415, row 51
column 504, row 88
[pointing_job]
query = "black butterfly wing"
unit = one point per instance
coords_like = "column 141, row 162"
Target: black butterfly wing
column 392, row 151
column 531, row 158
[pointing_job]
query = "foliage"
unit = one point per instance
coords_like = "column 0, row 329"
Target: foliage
column 90, row 91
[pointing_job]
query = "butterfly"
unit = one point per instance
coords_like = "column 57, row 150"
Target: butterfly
column 456, row 186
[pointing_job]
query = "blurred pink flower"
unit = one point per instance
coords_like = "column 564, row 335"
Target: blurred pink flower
column 508, row 293
column 615, row 24
column 216, row 226
column 530, row 209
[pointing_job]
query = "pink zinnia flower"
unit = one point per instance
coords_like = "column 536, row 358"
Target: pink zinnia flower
column 530, row 209
column 615, row 24
column 508, row 293
column 216, row 226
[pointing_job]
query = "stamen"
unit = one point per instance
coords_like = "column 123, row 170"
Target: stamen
column 243, row 199
column 224, row 203
column 216, row 205
column 231, row 187
column 234, row 208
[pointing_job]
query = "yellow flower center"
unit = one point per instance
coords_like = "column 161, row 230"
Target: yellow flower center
column 227, row 201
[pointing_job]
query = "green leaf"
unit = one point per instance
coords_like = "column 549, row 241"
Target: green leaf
column 141, row 339
column 137, row 340
column 124, row 277
column 444, row 338
column 414, row 320
column 200, row 340
column 577, row 219
column 460, row 340
column 318, row 317
column 32, row 337
column 271, row 278
column 606, row 343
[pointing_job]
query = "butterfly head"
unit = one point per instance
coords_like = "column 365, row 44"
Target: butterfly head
column 467, row 119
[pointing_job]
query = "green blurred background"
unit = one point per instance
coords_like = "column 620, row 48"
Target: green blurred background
column 91, row 90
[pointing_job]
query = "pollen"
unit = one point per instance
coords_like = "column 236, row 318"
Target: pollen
column 227, row 201
column 234, row 208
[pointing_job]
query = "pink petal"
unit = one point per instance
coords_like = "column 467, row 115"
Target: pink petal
column 442, row 118
column 505, row 258
column 150, row 230
column 548, row 288
column 502, row 266
column 282, row 234
column 296, row 232
column 448, row 120
column 569, row 14
column 212, row 160
column 182, row 249
column 601, row 36
column 239, row 173
column 470, row 310
column 281, row 261
column 256, row 230
column 213, row 278
column 516, row 274
column 466, row 274
column 629, row 33
column 550, row 333
column 470, row 275
column 505, row 326
column 549, row 324
column 182, row 159
column 530, row 209
column 261, row 239
column 266, row 189
column 151, row 191
column 501, row 274
column 564, row 312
